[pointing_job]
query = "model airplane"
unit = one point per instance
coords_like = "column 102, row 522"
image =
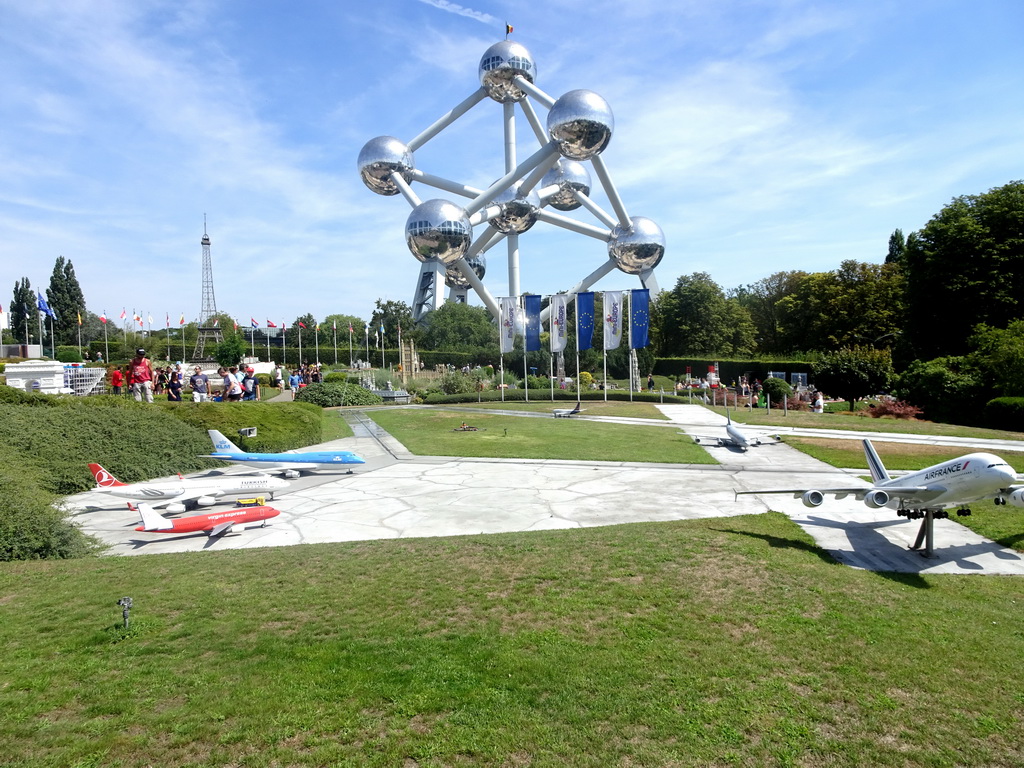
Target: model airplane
column 928, row 492
column 287, row 463
column 734, row 437
column 175, row 494
column 215, row 524
column 565, row 413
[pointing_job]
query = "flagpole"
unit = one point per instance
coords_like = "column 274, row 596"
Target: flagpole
column 284, row 338
column 300, row 346
column 316, row 338
column 368, row 344
column 382, row 348
column 268, row 345
column 605, row 354
column 629, row 357
column 350, row 346
column 576, row 301
column 79, row 335
column 551, row 374
column 501, row 362
column 53, row 341
column 106, row 346
column 334, row 330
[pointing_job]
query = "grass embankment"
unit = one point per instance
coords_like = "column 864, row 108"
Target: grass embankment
column 634, row 410
column 429, row 432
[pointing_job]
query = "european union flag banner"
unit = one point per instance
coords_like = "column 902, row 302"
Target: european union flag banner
column 639, row 318
column 531, row 307
column 507, row 324
column 43, row 306
column 559, row 326
column 612, row 319
column 584, row 320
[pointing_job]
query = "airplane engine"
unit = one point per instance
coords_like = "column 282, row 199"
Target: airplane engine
column 206, row 501
column 1016, row 499
column 176, row 506
column 876, row 499
column 812, row 498
column 292, row 473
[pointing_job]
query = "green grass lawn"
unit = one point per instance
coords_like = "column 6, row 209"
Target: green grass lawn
column 714, row 642
column 634, row 410
column 429, row 432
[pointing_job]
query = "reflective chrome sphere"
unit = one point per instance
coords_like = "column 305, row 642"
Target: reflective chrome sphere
column 518, row 212
column 499, row 66
column 582, row 124
column 638, row 248
column 569, row 176
column 379, row 158
column 455, row 279
column 438, row 229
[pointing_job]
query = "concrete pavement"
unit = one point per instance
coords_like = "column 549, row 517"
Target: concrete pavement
column 396, row 495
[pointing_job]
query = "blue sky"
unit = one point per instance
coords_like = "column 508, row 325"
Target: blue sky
column 761, row 136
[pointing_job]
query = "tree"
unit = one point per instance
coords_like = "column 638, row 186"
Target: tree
column 230, row 351
column 946, row 389
column 23, row 311
column 897, row 248
column 965, row 267
column 761, row 300
column 998, row 354
column 457, row 327
column 854, row 372
column 695, row 318
column 66, row 300
column 391, row 315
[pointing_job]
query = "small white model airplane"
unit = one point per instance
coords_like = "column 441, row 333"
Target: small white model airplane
column 928, row 492
column 176, row 494
column 288, row 463
column 565, row 413
column 734, row 437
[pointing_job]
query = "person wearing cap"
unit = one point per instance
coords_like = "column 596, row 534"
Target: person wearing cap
column 140, row 377
column 250, row 385
column 200, row 384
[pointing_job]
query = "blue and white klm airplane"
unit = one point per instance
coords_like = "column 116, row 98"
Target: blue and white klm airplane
column 289, row 463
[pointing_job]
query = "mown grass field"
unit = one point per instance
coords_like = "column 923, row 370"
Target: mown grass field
column 714, row 642
column 431, row 432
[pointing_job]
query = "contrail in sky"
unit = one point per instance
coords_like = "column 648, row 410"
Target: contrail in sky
column 444, row 5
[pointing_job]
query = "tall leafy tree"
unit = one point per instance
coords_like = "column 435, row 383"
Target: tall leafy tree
column 897, row 248
column 854, row 372
column 761, row 300
column 391, row 315
column 695, row 318
column 966, row 266
column 456, row 327
column 23, row 307
column 67, row 301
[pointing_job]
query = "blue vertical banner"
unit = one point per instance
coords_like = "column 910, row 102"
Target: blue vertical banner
column 584, row 320
column 639, row 318
column 531, row 308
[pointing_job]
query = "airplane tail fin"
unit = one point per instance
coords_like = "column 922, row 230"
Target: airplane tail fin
column 153, row 520
column 221, row 443
column 878, row 470
column 103, row 478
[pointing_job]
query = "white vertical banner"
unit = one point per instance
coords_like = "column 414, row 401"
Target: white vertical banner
column 559, row 324
column 507, row 326
column 612, row 319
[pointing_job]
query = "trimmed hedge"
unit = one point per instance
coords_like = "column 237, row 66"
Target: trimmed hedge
column 279, row 426
column 729, row 370
column 330, row 395
column 1005, row 413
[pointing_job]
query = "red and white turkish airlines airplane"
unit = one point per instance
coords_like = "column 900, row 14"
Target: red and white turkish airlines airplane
column 215, row 524
column 174, row 494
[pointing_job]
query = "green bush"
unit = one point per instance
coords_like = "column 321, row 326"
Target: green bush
column 335, row 377
column 1005, row 413
column 777, row 389
column 69, row 355
column 330, row 395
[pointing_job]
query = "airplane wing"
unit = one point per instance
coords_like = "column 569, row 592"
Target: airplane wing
column 219, row 530
column 909, row 493
column 716, row 439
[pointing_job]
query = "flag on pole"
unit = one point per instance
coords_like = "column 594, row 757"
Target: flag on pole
column 531, row 307
column 43, row 306
column 334, row 325
column 301, row 324
column 507, row 323
column 559, row 327
column 639, row 318
column 270, row 324
column 167, row 319
column 234, row 323
column 124, row 313
column 350, row 328
column 612, row 319
column 103, row 317
column 151, row 320
column 182, row 320
column 254, row 323
column 79, row 318
column 508, row 29
column 585, row 319
column 216, row 322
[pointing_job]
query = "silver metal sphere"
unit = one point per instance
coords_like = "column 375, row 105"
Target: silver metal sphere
column 381, row 157
column 582, row 124
column 500, row 64
column 518, row 212
column 569, row 176
column 455, row 279
column 438, row 229
column 638, row 248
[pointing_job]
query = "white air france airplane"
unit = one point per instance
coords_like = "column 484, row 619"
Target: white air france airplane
column 734, row 437
column 176, row 494
column 928, row 492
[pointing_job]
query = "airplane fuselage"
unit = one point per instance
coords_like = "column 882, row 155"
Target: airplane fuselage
column 211, row 486
column 959, row 481
column 318, row 458
column 209, row 522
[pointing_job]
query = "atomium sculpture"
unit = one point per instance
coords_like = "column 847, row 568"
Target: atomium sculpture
column 440, row 233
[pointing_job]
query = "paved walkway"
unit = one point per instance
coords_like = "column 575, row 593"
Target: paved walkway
column 397, row 495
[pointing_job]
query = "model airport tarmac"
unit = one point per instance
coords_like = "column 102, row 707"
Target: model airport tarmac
column 398, row 495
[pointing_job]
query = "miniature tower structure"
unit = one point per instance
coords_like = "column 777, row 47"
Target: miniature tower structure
column 209, row 331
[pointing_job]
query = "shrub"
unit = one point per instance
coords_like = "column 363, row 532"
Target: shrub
column 776, row 389
column 456, row 383
column 332, row 395
column 69, row 355
column 1005, row 413
column 898, row 409
column 335, row 377
column 279, row 426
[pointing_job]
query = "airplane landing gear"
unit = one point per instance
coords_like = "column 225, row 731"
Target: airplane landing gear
column 966, row 511
column 926, row 534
